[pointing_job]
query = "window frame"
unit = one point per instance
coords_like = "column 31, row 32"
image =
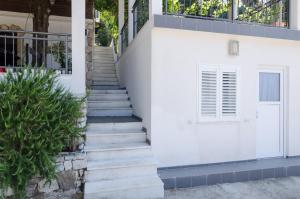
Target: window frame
column 220, row 69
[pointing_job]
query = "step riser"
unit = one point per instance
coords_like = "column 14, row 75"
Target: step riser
column 95, row 92
column 105, row 83
column 110, row 113
column 109, row 104
column 115, row 139
column 104, row 79
column 99, row 72
column 104, row 76
column 103, row 60
column 115, row 126
column 123, row 172
column 105, row 87
column 104, row 67
column 117, row 154
column 152, row 192
column 108, row 97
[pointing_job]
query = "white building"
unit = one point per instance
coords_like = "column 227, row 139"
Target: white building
column 209, row 89
column 212, row 90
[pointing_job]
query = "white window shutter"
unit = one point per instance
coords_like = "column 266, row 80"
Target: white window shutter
column 209, row 86
column 229, row 94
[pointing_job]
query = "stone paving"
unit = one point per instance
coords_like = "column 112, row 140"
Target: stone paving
column 280, row 188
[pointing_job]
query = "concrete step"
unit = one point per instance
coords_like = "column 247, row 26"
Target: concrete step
column 108, row 152
column 110, row 112
column 102, row 62
column 113, row 75
column 109, row 170
column 101, row 58
column 108, row 97
column 131, row 188
column 105, row 79
column 104, row 71
column 115, row 137
column 103, row 49
column 105, row 83
column 99, row 68
column 109, row 104
column 97, row 87
column 102, row 127
column 120, row 91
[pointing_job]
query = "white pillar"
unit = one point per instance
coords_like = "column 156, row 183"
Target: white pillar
column 121, row 15
column 78, row 46
column 294, row 15
column 130, row 20
column 155, row 7
column 233, row 10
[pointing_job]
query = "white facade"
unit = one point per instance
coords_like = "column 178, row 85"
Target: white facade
column 160, row 69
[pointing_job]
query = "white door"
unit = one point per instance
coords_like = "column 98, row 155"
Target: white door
column 269, row 142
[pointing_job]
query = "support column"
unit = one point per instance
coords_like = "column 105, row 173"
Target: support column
column 233, row 10
column 78, row 46
column 130, row 20
column 294, row 14
column 121, row 15
column 155, row 7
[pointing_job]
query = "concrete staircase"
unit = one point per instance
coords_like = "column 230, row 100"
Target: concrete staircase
column 120, row 162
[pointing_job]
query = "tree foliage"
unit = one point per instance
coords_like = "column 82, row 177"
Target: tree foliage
column 38, row 119
column 108, row 27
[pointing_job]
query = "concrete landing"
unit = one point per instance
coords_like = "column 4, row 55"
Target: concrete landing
column 210, row 174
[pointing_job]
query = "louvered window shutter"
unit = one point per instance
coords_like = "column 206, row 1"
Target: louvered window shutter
column 209, row 86
column 229, row 94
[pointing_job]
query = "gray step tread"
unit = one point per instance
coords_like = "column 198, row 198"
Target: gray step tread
column 117, row 147
column 121, row 163
column 116, row 91
column 122, row 184
column 120, row 119
column 94, row 133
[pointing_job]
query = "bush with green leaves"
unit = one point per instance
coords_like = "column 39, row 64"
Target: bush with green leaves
column 38, row 120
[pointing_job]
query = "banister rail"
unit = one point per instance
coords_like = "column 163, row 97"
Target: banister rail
column 35, row 49
column 264, row 12
column 124, row 36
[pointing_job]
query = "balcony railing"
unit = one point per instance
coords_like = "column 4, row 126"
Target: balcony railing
column 124, row 36
column 35, row 49
column 140, row 12
column 265, row 12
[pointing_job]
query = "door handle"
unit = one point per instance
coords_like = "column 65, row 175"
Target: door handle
column 256, row 114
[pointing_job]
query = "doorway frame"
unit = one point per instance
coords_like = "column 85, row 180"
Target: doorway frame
column 283, row 83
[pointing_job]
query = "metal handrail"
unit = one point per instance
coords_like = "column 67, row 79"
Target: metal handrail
column 50, row 50
column 225, row 11
column 40, row 33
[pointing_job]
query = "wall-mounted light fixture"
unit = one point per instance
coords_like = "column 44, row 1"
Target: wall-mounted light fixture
column 233, row 48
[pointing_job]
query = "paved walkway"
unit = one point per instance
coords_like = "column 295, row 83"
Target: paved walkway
column 282, row 188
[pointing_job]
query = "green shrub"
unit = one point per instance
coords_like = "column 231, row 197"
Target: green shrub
column 38, row 119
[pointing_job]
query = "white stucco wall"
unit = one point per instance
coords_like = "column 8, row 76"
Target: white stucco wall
column 178, row 138
column 134, row 68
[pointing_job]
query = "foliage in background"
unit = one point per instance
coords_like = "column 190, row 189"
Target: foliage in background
column 249, row 10
column 108, row 27
column 38, row 119
column 58, row 51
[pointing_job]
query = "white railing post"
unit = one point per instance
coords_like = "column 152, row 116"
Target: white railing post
column 121, row 16
column 78, row 46
column 155, row 7
column 294, row 14
column 130, row 20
